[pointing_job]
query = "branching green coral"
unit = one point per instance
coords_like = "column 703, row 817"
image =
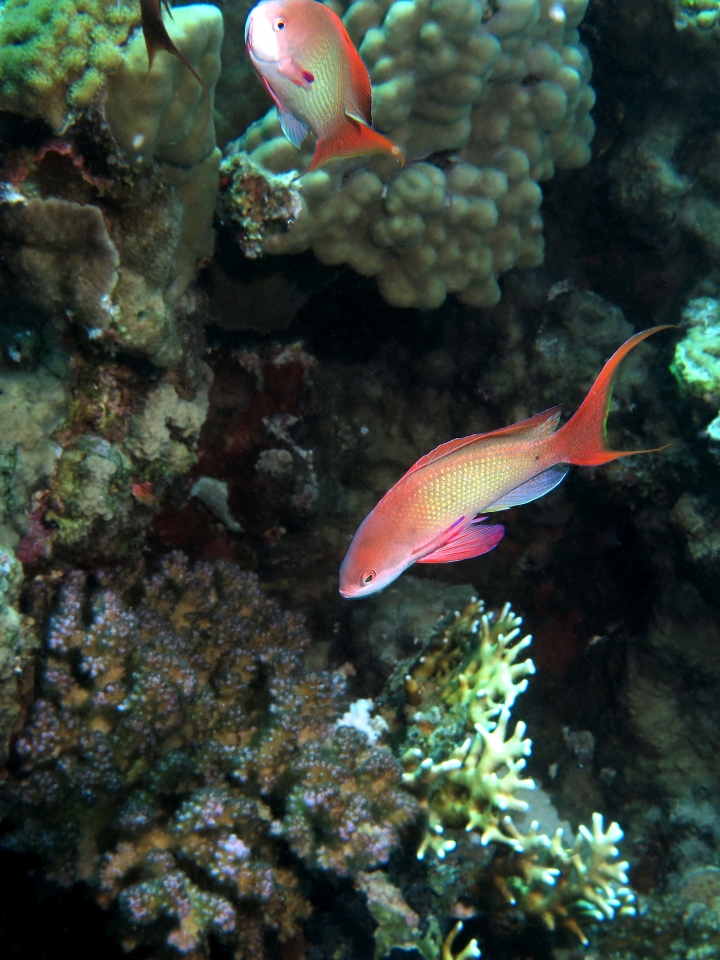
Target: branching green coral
column 466, row 682
column 56, row 54
column 473, row 785
column 564, row 884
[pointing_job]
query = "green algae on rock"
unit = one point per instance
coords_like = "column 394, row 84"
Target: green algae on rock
column 56, row 55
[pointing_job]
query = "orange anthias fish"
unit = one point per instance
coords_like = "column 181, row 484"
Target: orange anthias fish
column 431, row 514
column 303, row 55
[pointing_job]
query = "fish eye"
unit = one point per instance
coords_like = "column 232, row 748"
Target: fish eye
column 367, row 577
column 279, row 24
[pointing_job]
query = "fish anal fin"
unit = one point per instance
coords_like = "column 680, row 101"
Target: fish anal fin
column 471, row 540
column 532, row 489
column 296, row 72
column 534, row 428
column 353, row 139
column 295, row 130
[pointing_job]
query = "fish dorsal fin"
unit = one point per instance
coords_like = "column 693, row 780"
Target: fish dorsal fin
column 295, row 130
column 534, row 428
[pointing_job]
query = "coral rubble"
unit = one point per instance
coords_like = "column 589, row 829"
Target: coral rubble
column 493, row 99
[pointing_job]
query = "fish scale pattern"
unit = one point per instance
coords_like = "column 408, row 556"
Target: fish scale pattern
column 486, row 100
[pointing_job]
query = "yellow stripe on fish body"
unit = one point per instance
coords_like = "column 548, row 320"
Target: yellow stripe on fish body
column 467, row 482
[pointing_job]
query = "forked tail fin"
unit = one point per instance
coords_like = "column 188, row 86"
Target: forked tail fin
column 354, row 139
column 583, row 439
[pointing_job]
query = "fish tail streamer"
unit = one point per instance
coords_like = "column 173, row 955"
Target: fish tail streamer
column 583, row 439
column 353, row 139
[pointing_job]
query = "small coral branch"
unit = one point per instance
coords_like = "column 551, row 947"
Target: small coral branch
column 563, row 884
column 473, row 784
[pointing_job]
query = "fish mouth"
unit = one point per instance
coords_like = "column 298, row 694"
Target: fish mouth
column 254, row 56
column 249, row 47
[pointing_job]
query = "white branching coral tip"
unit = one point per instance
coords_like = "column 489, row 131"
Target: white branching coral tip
column 471, row 950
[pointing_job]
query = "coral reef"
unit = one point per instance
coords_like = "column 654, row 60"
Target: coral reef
column 55, row 57
column 253, row 202
column 674, row 926
column 32, row 405
column 505, row 90
column 110, row 475
column 101, row 233
column 173, row 746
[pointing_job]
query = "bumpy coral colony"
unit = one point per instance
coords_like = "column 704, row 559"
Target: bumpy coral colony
column 486, row 100
column 177, row 753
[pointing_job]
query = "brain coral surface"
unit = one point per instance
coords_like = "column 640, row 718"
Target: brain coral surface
column 485, row 100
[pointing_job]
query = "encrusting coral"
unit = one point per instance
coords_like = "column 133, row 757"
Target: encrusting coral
column 465, row 767
column 174, row 745
column 696, row 364
column 17, row 644
column 56, row 56
column 495, row 97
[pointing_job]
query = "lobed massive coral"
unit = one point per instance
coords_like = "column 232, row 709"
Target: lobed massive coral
column 176, row 743
column 113, row 240
column 493, row 99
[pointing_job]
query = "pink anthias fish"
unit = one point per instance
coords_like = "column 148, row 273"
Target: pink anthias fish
column 304, row 56
column 431, row 514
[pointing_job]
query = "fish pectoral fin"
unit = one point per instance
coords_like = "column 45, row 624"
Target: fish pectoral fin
column 297, row 73
column 532, row 489
column 295, row 130
column 471, row 540
column 355, row 115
